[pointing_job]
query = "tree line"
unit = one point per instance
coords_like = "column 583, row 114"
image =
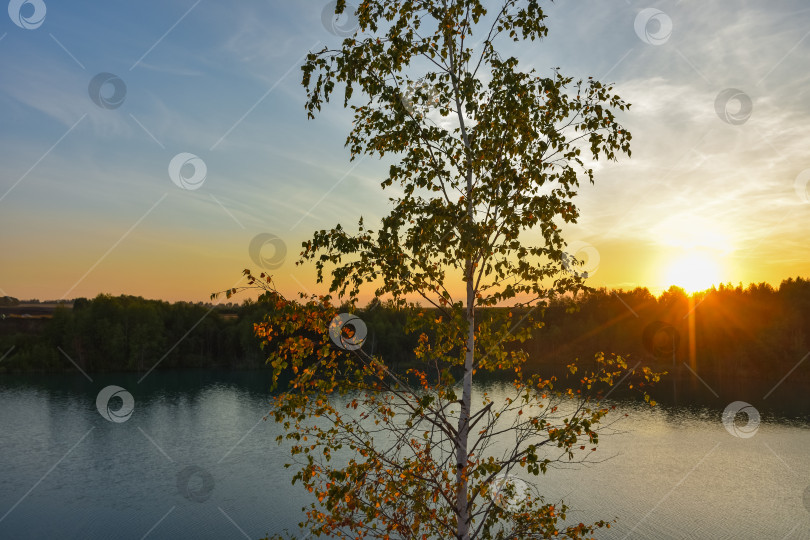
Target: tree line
column 727, row 333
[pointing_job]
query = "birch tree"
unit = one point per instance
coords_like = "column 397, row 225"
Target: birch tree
column 486, row 160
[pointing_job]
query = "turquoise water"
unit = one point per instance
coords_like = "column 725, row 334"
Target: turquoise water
column 195, row 459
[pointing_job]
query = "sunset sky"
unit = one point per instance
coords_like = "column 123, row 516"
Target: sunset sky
column 716, row 189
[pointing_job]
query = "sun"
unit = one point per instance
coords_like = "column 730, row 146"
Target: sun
column 694, row 272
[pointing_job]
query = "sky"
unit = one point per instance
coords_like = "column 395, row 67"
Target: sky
column 159, row 148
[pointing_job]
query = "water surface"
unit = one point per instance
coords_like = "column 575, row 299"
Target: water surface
column 195, row 459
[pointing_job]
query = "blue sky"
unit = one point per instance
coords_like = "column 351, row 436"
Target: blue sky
column 87, row 204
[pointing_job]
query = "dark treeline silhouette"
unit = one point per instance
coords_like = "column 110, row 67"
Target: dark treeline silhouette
column 718, row 342
column 721, row 345
column 127, row 333
column 751, row 332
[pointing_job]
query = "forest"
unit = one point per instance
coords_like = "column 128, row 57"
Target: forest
column 726, row 335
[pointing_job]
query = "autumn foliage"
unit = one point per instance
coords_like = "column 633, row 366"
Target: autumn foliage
column 485, row 156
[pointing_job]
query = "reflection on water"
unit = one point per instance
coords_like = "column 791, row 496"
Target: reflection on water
column 196, row 459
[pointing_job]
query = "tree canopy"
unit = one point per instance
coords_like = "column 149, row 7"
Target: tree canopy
column 487, row 159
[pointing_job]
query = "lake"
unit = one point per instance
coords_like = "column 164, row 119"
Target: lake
column 195, row 459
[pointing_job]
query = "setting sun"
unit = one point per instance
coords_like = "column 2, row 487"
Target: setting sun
column 693, row 272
